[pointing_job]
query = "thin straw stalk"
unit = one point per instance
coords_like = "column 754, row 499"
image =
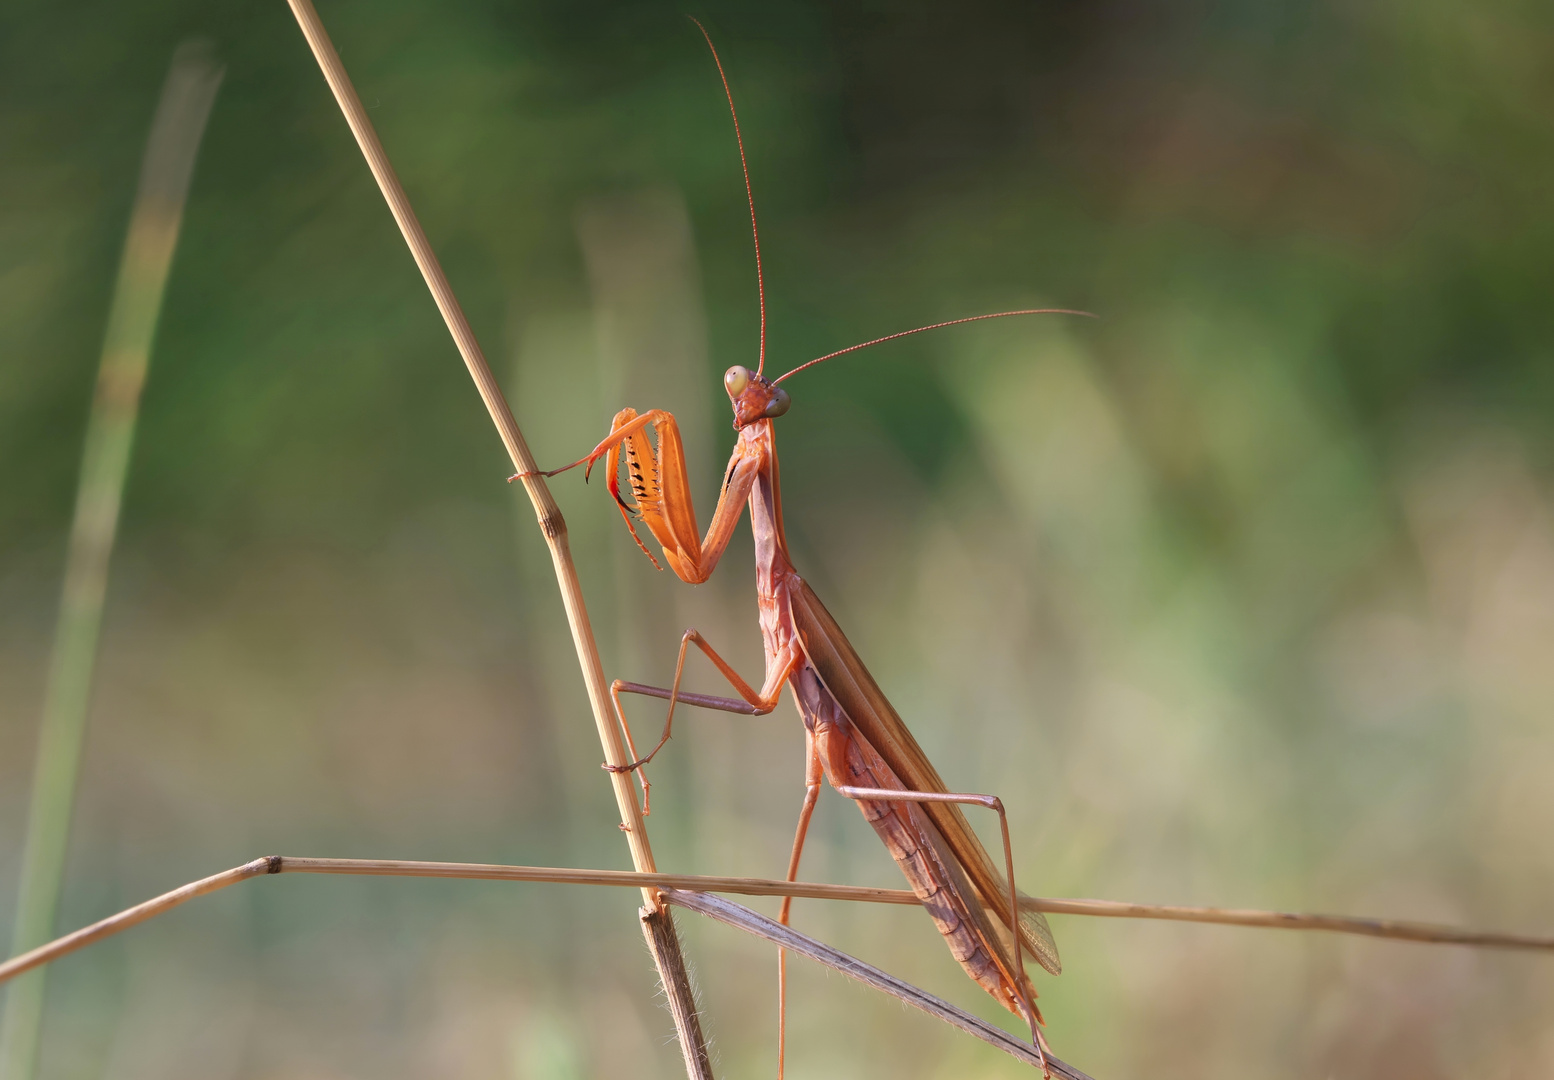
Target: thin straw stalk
column 166, row 169
column 658, row 927
column 1427, row 933
column 1393, row 929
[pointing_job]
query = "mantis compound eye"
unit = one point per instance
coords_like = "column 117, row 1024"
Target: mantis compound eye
column 780, row 403
column 735, row 380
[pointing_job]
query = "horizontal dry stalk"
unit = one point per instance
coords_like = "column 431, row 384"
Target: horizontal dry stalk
column 1427, row 933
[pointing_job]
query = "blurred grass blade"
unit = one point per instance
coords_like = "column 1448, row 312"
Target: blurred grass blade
column 180, row 119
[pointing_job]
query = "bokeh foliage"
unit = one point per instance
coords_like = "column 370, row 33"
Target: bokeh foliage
column 1237, row 596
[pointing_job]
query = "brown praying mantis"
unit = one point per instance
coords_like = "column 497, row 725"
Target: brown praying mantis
column 853, row 733
column 853, row 736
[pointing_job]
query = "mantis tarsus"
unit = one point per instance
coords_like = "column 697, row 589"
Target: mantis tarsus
column 854, row 738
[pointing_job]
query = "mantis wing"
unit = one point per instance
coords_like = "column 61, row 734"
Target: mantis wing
column 844, row 675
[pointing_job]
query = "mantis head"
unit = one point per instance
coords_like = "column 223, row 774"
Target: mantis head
column 754, row 396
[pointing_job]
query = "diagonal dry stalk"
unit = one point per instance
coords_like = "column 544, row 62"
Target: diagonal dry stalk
column 176, row 131
column 785, row 937
column 657, row 924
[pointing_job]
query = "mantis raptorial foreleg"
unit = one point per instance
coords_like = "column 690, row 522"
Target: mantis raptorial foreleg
column 751, row 702
column 662, row 491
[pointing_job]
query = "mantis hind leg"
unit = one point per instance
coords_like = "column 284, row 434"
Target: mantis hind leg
column 991, row 802
column 812, row 775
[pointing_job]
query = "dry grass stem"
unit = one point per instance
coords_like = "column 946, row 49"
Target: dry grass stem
column 1427, row 933
column 670, row 967
column 176, row 131
column 113, row 924
column 1394, row 929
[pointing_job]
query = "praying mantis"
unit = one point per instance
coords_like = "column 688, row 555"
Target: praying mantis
column 853, row 736
column 819, row 669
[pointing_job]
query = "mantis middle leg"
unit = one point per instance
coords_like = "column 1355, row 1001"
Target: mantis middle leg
column 751, row 702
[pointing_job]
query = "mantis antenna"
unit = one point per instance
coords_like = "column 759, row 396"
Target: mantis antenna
column 755, row 233
column 934, row 326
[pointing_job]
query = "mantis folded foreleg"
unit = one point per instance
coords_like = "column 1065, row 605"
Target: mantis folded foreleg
column 662, row 491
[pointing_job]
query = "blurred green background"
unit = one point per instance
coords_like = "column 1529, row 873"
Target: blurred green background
column 1243, row 595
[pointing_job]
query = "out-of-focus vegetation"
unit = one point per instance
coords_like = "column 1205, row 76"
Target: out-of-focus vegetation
column 1239, row 596
column 149, row 246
